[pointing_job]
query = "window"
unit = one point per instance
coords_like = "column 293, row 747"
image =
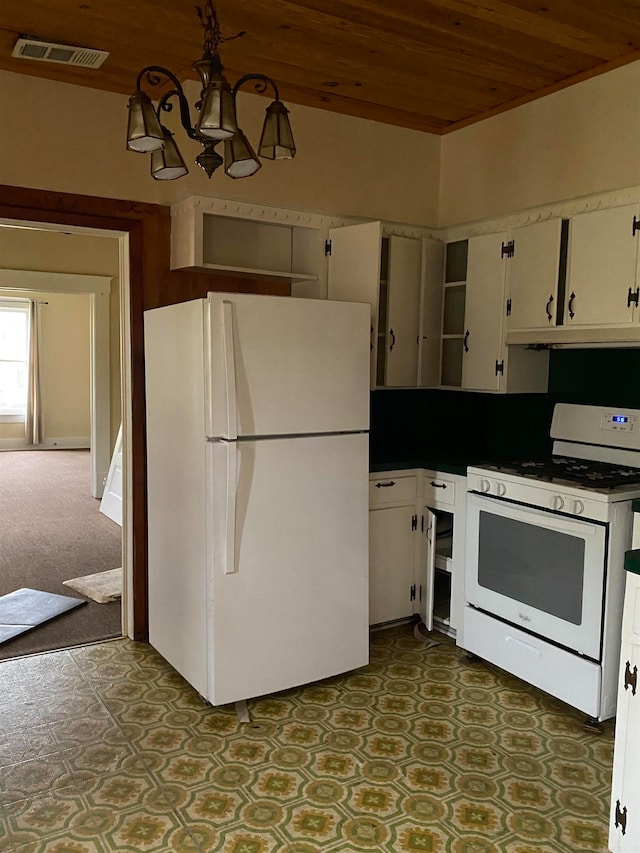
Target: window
column 14, row 359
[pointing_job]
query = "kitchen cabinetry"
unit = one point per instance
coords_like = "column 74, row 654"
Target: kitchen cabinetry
column 443, row 510
column 392, row 547
column 602, row 273
column 397, row 276
column 262, row 243
column 624, row 825
column 535, row 271
column 416, row 548
column 474, row 351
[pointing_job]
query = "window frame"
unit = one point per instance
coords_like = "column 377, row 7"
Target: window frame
column 22, row 306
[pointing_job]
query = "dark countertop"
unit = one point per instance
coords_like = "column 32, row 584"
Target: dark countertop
column 447, row 466
column 632, row 561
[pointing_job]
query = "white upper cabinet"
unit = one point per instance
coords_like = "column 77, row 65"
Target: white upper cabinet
column 386, row 272
column 261, row 243
column 534, row 268
column 474, row 352
column 398, row 337
column 483, row 356
column 602, row 270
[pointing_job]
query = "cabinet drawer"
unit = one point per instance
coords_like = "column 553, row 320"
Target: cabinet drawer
column 438, row 490
column 392, row 490
column 534, row 661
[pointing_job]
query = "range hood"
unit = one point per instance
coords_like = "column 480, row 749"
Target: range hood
column 609, row 336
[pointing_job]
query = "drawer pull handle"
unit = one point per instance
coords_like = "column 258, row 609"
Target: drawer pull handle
column 621, row 817
column 438, row 485
column 631, row 678
column 385, row 485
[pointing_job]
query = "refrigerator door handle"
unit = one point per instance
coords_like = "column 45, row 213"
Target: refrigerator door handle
column 230, row 369
column 230, row 510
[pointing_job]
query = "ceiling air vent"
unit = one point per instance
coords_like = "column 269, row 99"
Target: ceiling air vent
column 46, row 51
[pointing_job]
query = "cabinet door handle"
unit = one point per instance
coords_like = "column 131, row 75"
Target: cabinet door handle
column 385, row 485
column 631, row 678
column 633, row 297
column 621, row 817
column 570, row 306
column 393, row 340
column 438, row 485
column 465, row 341
column 548, row 308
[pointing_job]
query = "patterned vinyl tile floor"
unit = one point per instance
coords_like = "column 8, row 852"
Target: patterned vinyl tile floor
column 105, row 748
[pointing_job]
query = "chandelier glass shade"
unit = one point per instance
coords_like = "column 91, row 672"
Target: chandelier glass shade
column 216, row 121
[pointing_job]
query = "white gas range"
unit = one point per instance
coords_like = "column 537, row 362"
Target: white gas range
column 544, row 557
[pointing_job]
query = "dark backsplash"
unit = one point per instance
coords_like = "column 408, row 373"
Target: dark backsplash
column 468, row 427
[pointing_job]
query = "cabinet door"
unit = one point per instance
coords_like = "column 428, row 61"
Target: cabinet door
column 601, row 271
column 403, row 312
column 431, row 312
column 484, row 312
column 625, row 788
column 426, row 573
column 533, row 275
column 391, row 563
column 354, row 271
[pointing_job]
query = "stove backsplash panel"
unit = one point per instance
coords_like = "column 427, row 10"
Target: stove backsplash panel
column 431, row 426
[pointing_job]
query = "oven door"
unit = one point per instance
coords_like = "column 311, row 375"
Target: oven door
column 538, row 570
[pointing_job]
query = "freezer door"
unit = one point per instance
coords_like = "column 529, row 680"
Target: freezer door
column 285, row 366
column 287, row 562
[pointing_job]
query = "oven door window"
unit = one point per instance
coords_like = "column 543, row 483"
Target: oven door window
column 546, row 567
column 541, row 571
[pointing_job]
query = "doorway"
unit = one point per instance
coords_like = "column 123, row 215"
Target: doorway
column 58, row 483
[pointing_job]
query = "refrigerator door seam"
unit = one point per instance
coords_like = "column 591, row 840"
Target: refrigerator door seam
column 285, row 436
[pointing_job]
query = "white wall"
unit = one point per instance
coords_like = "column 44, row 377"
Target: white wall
column 579, row 141
column 65, row 138
column 54, row 251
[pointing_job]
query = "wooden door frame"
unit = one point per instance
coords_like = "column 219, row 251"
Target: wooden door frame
column 146, row 227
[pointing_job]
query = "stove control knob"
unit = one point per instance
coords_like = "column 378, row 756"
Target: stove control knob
column 500, row 489
column 484, row 486
column 578, row 507
column 557, row 502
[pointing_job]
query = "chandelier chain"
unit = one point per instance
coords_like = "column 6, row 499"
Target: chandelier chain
column 213, row 37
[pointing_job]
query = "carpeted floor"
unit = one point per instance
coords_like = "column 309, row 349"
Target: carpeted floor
column 105, row 749
column 51, row 530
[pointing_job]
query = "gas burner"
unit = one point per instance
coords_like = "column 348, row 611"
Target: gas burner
column 569, row 471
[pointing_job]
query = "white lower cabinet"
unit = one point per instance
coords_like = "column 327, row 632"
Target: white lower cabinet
column 443, row 505
column 624, row 825
column 392, row 541
column 416, row 542
column 392, row 546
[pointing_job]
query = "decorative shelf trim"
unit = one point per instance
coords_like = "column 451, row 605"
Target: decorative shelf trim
column 558, row 210
column 258, row 213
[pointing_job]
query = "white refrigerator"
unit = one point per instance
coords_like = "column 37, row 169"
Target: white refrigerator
column 257, row 486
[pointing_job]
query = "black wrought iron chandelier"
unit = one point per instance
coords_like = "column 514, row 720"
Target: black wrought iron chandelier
column 216, row 121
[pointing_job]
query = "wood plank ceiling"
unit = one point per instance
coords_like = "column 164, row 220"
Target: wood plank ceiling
column 432, row 66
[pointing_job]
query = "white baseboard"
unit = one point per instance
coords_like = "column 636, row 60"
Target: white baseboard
column 65, row 443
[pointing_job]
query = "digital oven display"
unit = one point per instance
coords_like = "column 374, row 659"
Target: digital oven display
column 619, row 419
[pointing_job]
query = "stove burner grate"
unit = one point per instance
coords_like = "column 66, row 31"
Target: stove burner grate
column 579, row 472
